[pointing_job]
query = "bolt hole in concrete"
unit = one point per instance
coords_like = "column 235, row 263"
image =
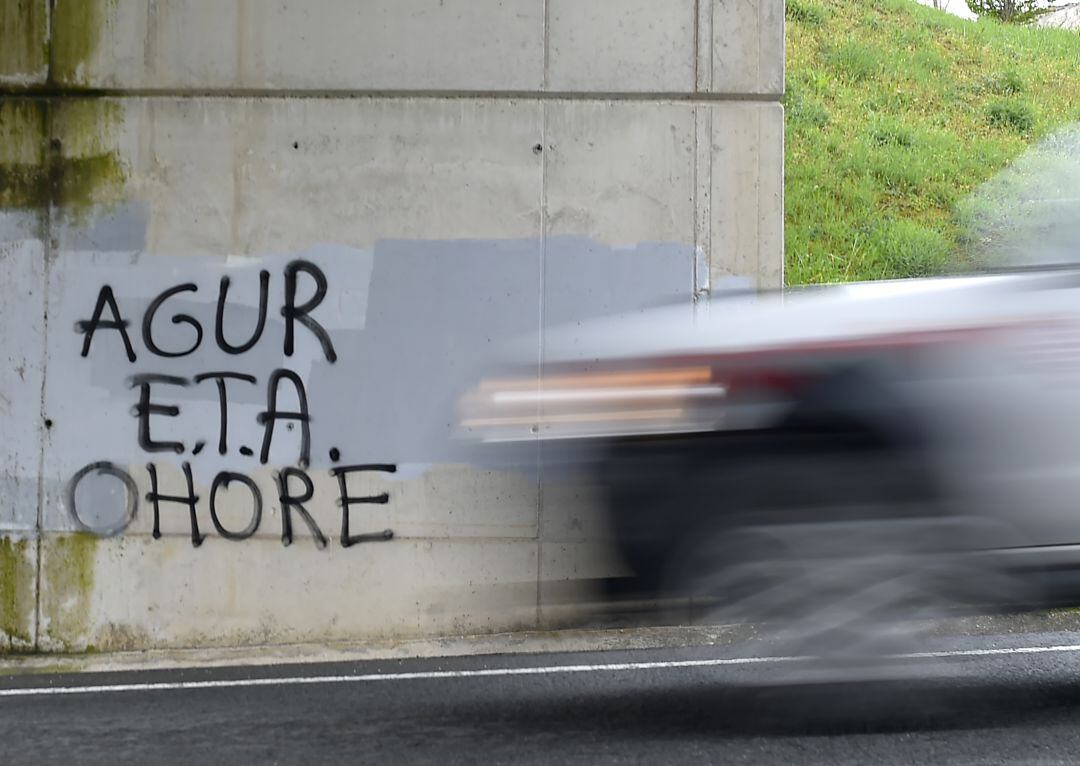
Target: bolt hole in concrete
column 538, row 149
column 295, row 144
column 48, row 422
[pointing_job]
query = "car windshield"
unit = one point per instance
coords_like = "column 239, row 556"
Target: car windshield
column 1028, row 215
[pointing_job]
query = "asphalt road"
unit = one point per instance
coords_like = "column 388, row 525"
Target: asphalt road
column 987, row 699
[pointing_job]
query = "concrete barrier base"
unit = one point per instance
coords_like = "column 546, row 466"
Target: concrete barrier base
column 524, row 642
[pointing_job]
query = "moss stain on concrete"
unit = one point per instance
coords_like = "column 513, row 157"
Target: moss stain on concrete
column 84, row 170
column 67, row 585
column 24, row 49
column 56, row 149
column 58, row 152
column 117, row 637
column 76, row 34
column 17, row 575
column 23, row 179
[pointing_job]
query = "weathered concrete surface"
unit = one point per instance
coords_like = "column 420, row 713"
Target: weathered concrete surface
column 621, row 45
column 560, row 46
column 22, row 317
column 22, row 306
column 461, row 173
column 745, row 46
column 134, row 591
column 747, row 188
column 24, row 54
column 517, row 642
column 18, row 594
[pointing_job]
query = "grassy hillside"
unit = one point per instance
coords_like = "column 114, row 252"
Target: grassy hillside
column 895, row 112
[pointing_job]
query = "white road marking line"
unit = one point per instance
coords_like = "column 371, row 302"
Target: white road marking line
column 38, row 691
column 412, row 676
column 992, row 652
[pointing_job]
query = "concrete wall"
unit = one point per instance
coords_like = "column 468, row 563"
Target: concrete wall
column 460, row 172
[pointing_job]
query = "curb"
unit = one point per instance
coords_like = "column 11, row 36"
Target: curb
column 520, row 642
column 524, row 642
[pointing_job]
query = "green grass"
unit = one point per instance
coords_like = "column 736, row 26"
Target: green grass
column 895, row 113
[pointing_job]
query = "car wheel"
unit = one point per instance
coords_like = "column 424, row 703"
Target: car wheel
column 829, row 570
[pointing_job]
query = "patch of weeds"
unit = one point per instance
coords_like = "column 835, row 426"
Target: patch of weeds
column 1014, row 115
column 813, row 80
column 804, row 12
column 802, row 110
column 929, row 62
column 1007, row 83
column 854, row 62
column 908, row 249
column 891, row 133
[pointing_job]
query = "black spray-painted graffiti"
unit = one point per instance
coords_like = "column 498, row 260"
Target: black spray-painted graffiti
column 294, row 485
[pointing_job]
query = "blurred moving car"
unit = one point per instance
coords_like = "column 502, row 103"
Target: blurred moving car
column 834, row 460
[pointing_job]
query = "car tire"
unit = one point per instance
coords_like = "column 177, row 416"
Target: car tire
column 825, row 555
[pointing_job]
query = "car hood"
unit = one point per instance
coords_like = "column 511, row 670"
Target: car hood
column 802, row 316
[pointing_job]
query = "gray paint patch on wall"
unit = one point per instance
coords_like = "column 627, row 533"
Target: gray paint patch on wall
column 411, row 324
column 118, row 227
column 22, row 314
